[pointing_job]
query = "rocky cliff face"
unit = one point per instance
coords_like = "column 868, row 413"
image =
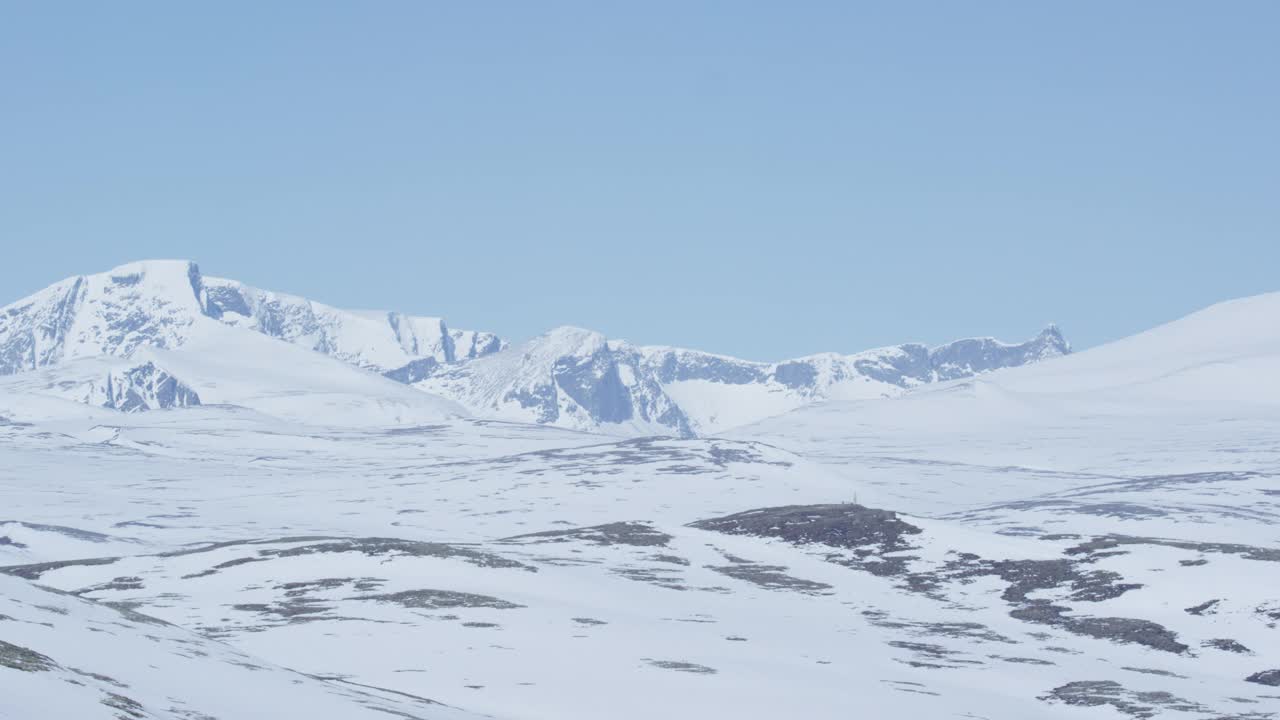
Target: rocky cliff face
column 965, row 358
column 143, row 387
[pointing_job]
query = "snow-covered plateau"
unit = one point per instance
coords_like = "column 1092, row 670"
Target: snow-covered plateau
column 218, row 502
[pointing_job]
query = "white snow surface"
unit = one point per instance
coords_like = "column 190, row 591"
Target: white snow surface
column 1096, row 536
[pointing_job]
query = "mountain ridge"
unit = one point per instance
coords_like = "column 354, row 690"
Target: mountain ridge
column 568, row 377
column 577, row 378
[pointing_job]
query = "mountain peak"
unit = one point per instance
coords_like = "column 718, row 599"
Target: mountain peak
column 166, row 276
column 1051, row 330
column 571, row 340
column 1051, row 341
column 158, row 266
column 570, row 332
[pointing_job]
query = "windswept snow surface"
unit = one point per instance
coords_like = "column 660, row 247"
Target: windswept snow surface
column 66, row 657
column 1095, row 536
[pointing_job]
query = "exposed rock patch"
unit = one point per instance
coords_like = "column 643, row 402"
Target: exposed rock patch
column 17, row 657
column 1109, row 542
column 35, row 570
column 1205, row 608
column 1126, row 630
column 842, row 526
column 681, row 666
column 1228, row 645
column 770, row 577
column 1266, row 677
column 439, row 599
column 619, row 533
column 1138, row 704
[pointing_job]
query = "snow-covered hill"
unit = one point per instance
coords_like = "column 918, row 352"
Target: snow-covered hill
column 1228, row 352
column 579, row 379
column 1222, row 362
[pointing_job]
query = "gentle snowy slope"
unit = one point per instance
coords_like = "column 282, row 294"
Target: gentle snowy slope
column 1212, row 375
column 1227, row 353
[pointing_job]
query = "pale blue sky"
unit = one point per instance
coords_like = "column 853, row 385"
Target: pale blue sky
column 759, row 179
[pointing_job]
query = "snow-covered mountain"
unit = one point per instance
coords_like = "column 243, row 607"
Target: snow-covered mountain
column 164, row 303
column 155, row 314
column 158, row 334
column 578, row 379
